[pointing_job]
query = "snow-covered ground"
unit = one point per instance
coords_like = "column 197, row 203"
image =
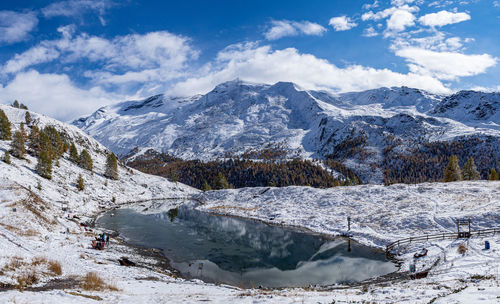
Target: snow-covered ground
column 38, row 232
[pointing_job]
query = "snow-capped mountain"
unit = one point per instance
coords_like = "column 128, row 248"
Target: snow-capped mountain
column 237, row 116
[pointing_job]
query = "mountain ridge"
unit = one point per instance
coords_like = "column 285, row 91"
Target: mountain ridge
column 237, row 116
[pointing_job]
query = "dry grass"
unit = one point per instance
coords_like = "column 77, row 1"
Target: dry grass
column 97, row 298
column 92, row 281
column 39, row 260
column 462, row 248
column 18, row 231
column 15, row 263
column 54, row 267
column 26, row 279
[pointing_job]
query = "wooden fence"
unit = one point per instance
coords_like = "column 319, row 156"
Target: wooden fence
column 442, row 236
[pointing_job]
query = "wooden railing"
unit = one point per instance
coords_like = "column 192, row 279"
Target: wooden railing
column 442, row 236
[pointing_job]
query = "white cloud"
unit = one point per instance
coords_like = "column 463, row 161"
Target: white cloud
column 285, row 28
column 401, row 2
column 15, row 27
column 342, row 23
column 263, row 64
column 445, row 65
column 370, row 32
column 496, row 3
column 55, row 95
column 35, row 55
column 123, row 59
column 400, row 20
column 72, row 8
column 368, row 6
column 370, row 15
column 443, row 18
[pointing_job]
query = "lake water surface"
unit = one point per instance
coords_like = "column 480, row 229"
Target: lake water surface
column 246, row 253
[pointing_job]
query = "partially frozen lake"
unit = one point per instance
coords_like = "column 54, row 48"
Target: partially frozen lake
column 244, row 252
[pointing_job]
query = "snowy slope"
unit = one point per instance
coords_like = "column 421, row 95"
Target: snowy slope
column 237, row 116
column 131, row 186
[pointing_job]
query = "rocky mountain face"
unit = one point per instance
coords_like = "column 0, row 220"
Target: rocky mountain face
column 369, row 132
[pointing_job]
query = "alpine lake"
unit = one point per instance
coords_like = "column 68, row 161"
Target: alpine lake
column 246, row 253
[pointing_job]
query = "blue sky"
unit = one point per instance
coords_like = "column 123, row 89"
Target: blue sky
column 68, row 58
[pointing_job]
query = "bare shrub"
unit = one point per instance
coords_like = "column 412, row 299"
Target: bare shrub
column 26, row 279
column 54, row 267
column 462, row 248
column 92, row 281
column 39, row 260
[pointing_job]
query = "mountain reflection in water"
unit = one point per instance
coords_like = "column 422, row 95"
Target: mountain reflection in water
column 244, row 252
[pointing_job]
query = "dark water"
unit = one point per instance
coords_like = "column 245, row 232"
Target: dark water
column 246, row 253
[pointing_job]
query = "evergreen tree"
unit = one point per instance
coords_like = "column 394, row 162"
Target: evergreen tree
column 111, row 166
column 221, row 182
column 453, row 172
column 470, row 170
column 85, row 161
column 27, row 118
column 18, row 149
column 23, row 106
column 80, row 184
column 205, row 186
column 6, row 157
column 55, row 140
column 16, row 104
column 73, row 153
column 493, row 175
column 44, row 165
column 45, row 145
column 5, row 133
column 34, row 141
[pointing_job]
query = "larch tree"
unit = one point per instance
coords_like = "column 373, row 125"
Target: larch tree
column 16, row 104
column 453, row 172
column 470, row 170
column 493, row 175
column 27, row 118
column 73, row 153
column 6, row 157
column 17, row 145
column 85, row 160
column 34, row 141
column 44, row 165
column 111, row 166
column 5, row 132
column 80, row 184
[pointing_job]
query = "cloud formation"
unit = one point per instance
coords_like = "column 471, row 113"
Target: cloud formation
column 445, row 65
column 342, row 23
column 15, row 27
column 55, row 95
column 284, row 28
column 443, row 18
column 263, row 64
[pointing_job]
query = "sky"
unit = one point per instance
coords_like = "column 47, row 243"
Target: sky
column 69, row 58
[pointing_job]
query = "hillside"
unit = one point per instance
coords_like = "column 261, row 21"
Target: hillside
column 372, row 132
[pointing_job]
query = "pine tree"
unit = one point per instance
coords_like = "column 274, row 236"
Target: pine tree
column 221, row 182
column 45, row 145
column 5, row 133
column 453, row 172
column 18, row 149
column 34, row 141
column 23, row 106
column 6, row 157
column 27, row 118
column 16, row 104
column 205, row 186
column 44, row 165
column 493, row 175
column 470, row 170
column 73, row 153
column 111, row 166
column 80, row 184
column 85, row 161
